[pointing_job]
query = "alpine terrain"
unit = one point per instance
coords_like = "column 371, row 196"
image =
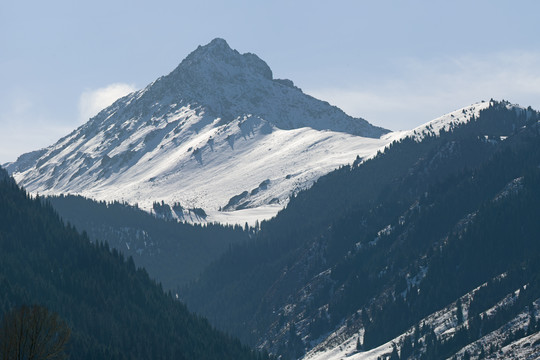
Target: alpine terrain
column 429, row 250
column 366, row 245
column 217, row 133
column 176, row 252
column 113, row 309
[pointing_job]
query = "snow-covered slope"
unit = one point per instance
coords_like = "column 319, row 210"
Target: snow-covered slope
column 444, row 123
column 216, row 127
column 445, row 324
column 217, row 133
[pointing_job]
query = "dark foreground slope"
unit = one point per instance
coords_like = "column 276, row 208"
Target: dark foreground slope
column 114, row 310
column 381, row 245
column 173, row 253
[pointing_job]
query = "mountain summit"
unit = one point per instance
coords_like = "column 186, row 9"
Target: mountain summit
column 229, row 84
column 218, row 133
column 212, row 57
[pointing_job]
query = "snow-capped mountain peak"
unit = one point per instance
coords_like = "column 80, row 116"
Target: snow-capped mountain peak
column 215, row 55
column 218, row 132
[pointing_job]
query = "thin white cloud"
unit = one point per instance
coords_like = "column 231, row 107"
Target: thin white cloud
column 92, row 102
column 424, row 89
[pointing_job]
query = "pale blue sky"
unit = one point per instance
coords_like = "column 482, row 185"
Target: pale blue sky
column 395, row 63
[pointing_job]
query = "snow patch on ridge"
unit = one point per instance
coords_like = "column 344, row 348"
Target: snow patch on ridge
column 442, row 123
column 444, row 324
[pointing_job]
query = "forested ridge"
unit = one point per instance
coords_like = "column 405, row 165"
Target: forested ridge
column 384, row 243
column 172, row 252
column 114, row 310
